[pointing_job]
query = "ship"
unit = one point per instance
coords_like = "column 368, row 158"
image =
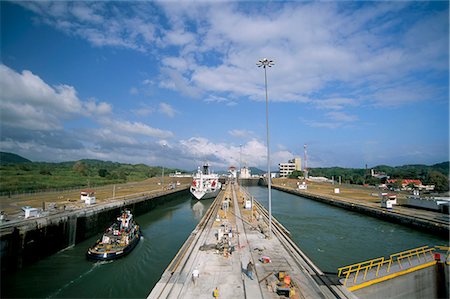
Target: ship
column 205, row 184
column 118, row 240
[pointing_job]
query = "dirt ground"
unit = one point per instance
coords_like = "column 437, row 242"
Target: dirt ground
column 352, row 192
column 70, row 199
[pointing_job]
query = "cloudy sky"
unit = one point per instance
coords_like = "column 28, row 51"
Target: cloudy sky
column 176, row 83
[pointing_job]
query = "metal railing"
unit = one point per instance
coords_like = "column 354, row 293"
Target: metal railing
column 366, row 266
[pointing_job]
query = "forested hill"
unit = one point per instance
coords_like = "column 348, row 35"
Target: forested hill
column 20, row 174
column 437, row 174
column 10, row 158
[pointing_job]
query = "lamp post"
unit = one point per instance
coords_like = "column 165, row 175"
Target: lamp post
column 162, row 176
column 240, row 165
column 267, row 63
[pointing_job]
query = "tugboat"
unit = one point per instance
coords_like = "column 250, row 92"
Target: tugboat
column 118, row 240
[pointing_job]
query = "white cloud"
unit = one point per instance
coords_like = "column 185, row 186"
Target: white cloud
column 112, row 138
column 167, row 109
column 144, row 110
column 178, row 63
column 240, row 133
column 223, row 155
column 97, row 109
column 136, row 128
column 85, row 13
column 100, row 23
column 335, row 103
column 342, row 116
column 178, row 37
column 134, row 91
column 334, row 119
column 172, row 79
column 214, row 46
column 220, row 100
column 26, row 101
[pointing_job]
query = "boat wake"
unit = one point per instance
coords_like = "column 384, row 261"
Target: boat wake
column 99, row 263
column 95, row 265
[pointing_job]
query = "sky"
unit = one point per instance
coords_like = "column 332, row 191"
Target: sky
column 175, row 83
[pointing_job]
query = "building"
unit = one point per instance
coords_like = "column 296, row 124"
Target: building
column 245, row 173
column 287, row 168
column 410, row 184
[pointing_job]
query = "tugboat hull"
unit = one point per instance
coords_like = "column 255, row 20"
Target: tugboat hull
column 108, row 255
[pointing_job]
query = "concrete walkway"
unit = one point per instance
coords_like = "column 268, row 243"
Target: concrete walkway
column 227, row 272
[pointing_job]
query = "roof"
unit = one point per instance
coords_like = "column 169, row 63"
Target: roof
column 405, row 181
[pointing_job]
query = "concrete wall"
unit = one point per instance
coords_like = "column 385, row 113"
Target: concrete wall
column 421, row 224
column 424, row 283
column 31, row 240
column 249, row 182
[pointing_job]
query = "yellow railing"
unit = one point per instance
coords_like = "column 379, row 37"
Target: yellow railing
column 447, row 253
column 443, row 248
column 365, row 267
column 410, row 253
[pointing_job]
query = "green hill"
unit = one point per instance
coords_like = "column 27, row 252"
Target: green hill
column 10, row 158
column 33, row 176
column 437, row 174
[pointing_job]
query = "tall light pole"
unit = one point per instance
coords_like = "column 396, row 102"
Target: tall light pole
column 162, row 176
column 267, row 63
column 240, row 165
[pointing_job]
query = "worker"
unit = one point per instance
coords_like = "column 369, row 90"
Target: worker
column 287, row 280
column 250, row 270
column 195, row 275
column 216, row 293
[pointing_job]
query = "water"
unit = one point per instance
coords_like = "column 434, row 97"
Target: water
column 330, row 236
column 68, row 274
column 333, row 237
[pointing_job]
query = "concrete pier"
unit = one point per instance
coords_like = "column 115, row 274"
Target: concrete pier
column 429, row 221
column 229, row 237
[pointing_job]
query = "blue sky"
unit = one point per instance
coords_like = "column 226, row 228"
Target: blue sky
column 176, row 83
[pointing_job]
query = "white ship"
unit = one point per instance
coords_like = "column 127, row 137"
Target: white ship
column 205, row 184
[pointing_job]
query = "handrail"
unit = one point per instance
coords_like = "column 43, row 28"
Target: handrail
column 412, row 252
column 443, row 248
column 366, row 266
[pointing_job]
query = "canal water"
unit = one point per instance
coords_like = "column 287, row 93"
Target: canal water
column 333, row 237
column 330, row 236
column 68, row 274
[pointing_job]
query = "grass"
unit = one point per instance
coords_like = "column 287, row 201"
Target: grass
column 37, row 176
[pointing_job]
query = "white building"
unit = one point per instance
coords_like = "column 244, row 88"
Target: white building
column 245, row 173
column 287, row 168
column 87, row 196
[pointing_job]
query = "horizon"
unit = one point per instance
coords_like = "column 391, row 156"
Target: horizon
column 176, row 83
column 221, row 170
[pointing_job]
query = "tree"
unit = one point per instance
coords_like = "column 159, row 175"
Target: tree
column 373, row 181
column 81, row 168
column 440, row 181
column 295, row 174
column 397, row 185
column 103, row 172
column 411, row 186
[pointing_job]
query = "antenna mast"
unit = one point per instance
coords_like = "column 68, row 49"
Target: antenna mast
column 305, row 168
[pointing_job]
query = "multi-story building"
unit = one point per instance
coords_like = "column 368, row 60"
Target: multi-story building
column 287, row 168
